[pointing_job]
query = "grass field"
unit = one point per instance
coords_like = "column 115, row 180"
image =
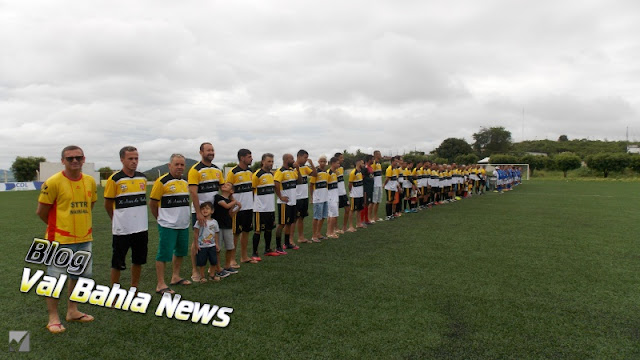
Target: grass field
column 550, row 270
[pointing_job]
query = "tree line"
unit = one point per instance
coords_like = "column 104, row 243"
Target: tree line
column 494, row 142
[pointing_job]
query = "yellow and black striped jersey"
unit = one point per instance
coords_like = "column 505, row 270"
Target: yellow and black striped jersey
column 320, row 186
column 287, row 177
column 129, row 195
column 208, row 180
column 341, row 188
column 173, row 195
column 356, row 181
column 302, row 189
column 242, row 180
column 263, row 190
column 377, row 174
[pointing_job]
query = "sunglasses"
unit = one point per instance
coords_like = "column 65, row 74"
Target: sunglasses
column 71, row 158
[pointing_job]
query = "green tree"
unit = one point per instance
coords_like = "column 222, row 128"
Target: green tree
column 467, row 159
column 634, row 163
column 438, row 160
column 567, row 161
column 607, row 162
column 256, row 165
column 491, row 141
column 534, row 161
column 563, row 138
column 105, row 172
column 229, row 164
column 414, row 157
column 452, row 147
column 25, row 168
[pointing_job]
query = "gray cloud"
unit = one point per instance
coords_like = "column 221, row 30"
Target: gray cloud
column 324, row 76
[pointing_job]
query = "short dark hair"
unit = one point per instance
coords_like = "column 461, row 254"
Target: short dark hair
column 207, row 203
column 267, row 155
column 367, row 158
column 69, row 148
column 334, row 160
column 124, row 150
column 302, row 152
column 203, row 144
column 243, row 152
column 338, row 154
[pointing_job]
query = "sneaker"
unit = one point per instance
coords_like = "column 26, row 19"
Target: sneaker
column 280, row 251
column 223, row 273
column 271, row 253
column 231, row 271
column 293, row 247
column 255, row 257
column 414, row 211
column 406, row 211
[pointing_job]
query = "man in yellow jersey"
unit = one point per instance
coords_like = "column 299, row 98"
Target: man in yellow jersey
column 333, row 210
column 320, row 197
column 377, row 186
column 263, row 206
column 343, row 200
column 285, row 180
column 302, row 192
column 125, row 199
column 65, row 204
column 356, row 191
column 170, row 206
column 391, row 186
column 241, row 178
column 204, row 180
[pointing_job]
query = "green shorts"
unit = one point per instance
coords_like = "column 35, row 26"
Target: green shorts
column 172, row 242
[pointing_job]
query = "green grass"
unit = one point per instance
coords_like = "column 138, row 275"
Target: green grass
column 549, row 270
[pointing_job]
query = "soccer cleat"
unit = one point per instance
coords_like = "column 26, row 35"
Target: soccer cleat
column 255, row 257
column 406, row 211
column 271, row 253
column 279, row 251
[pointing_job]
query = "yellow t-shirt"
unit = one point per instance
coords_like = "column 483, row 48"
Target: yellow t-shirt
column 70, row 219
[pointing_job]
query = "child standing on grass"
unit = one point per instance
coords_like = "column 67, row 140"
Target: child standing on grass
column 205, row 241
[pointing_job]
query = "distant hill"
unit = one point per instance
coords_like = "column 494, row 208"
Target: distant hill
column 152, row 173
column 9, row 175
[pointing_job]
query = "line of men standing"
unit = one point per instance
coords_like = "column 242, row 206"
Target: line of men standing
column 239, row 201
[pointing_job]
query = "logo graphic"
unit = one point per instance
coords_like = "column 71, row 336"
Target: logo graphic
column 123, row 187
column 142, row 186
column 19, row 341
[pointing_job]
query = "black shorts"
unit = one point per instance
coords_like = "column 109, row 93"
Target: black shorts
column 265, row 221
column 302, row 208
column 343, row 201
column 368, row 196
column 242, row 221
column 207, row 253
column 138, row 243
column 286, row 214
column 357, row 203
column 391, row 196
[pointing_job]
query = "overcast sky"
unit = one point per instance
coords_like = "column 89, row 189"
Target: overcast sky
column 325, row 76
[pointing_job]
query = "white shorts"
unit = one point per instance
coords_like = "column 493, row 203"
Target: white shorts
column 334, row 211
column 377, row 195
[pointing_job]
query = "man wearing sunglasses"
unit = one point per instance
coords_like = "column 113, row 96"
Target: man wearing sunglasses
column 65, row 204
